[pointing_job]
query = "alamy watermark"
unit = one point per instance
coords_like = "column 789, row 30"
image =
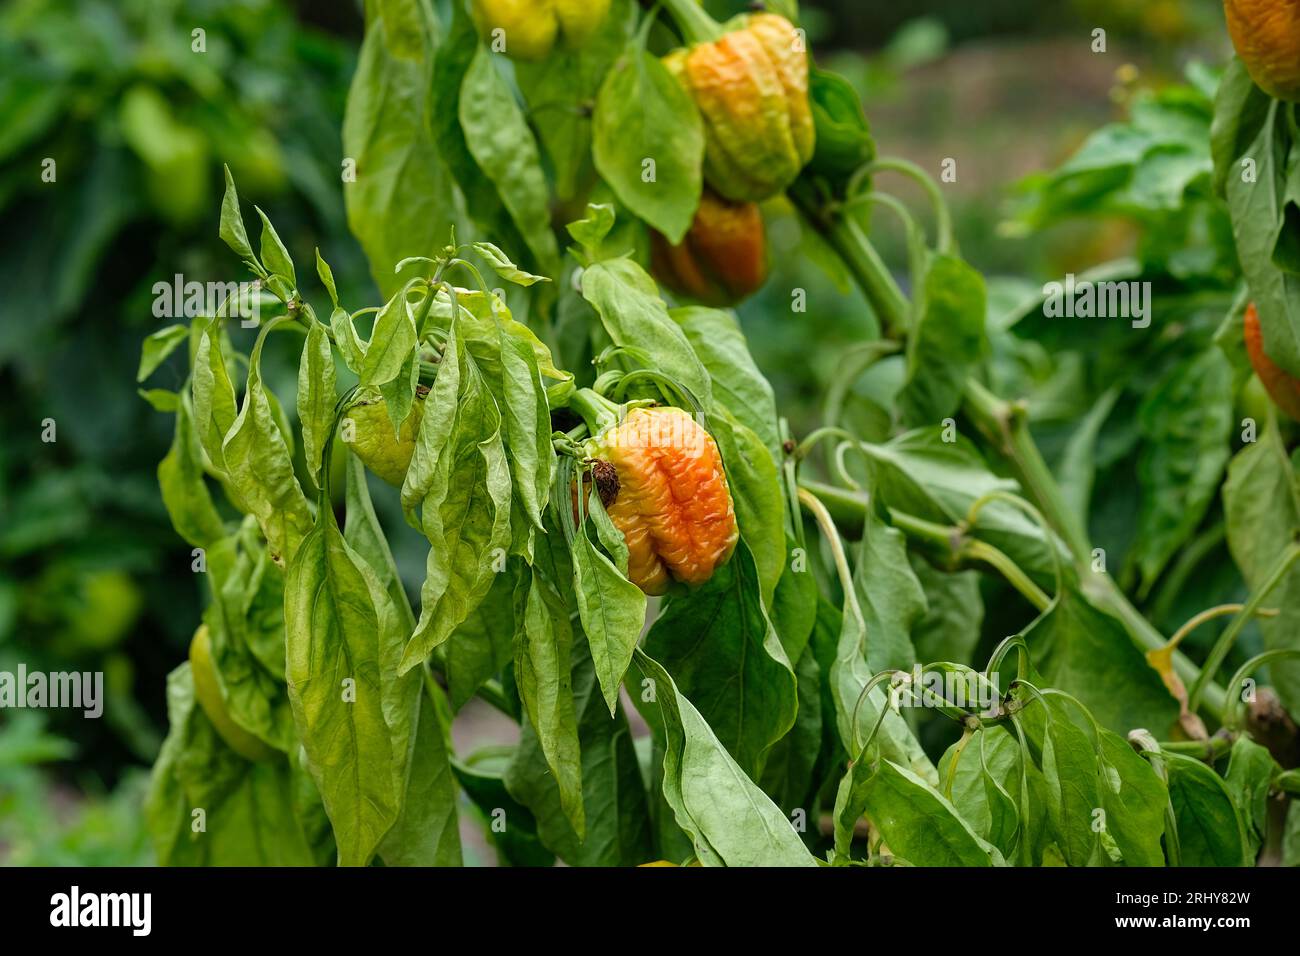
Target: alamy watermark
column 58, row 689
column 180, row 299
column 1085, row 299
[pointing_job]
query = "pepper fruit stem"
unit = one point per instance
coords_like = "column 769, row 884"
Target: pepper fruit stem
column 693, row 21
column 596, row 410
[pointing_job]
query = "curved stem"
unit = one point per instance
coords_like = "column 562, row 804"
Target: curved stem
column 1006, row 497
column 859, row 256
column 1015, row 576
column 1232, row 709
column 942, row 216
column 1210, row 614
column 848, row 509
column 1224, row 644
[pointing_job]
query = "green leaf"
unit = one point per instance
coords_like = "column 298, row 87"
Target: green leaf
column 922, row 475
column 260, row 467
column 250, row 817
column 738, row 384
column 1187, row 423
column 484, row 642
column 843, row 136
column 482, row 776
column 1070, row 767
column 274, row 255
column 917, row 822
column 724, row 655
column 402, row 201
column 426, row 831
column 1210, row 832
column 633, row 314
column 756, row 495
column 316, row 397
column 889, row 593
column 503, row 267
column 612, row 610
column 789, row 768
column 365, row 535
column 982, row 779
column 326, row 275
column 1261, row 502
column 543, row 672
column 950, row 629
column 849, row 675
column 350, row 344
column 1251, row 769
column 215, row 404
column 560, row 90
column 1240, row 109
column 527, row 419
column 392, row 343
column 590, row 231
column 947, row 341
column 1084, row 651
column 729, row 820
column 353, row 714
column 160, row 399
column 1135, row 799
column 1258, row 209
column 617, row 824
column 465, row 512
column 157, row 347
column 794, row 605
column 648, row 142
column 184, row 492
column 232, row 223
column 503, row 146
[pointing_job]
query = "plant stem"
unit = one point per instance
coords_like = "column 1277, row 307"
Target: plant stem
column 1229, row 636
column 1004, row 425
column 861, row 259
column 943, row 218
column 848, row 510
column 694, row 24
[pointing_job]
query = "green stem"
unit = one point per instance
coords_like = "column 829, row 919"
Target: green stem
column 1006, row 426
column 596, row 410
column 942, row 217
column 1288, row 781
column 861, row 259
column 848, row 510
column 1003, row 424
column 693, row 21
column 983, row 551
column 1229, row 636
column 1207, row 750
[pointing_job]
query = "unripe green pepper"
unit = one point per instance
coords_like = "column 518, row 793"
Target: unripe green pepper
column 530, row 28
column 372, row 440
column 207, row 689
column 723, row 257
column 751, row 86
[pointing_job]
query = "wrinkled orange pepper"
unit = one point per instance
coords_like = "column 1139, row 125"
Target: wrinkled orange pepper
column 723, row 257
column 1284, row 389
column 1266, row 34
column 671, row 501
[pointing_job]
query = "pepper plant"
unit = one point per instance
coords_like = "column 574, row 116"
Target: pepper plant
column 618, row 516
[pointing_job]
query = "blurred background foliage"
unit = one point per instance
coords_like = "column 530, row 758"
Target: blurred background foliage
column 138, row 125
